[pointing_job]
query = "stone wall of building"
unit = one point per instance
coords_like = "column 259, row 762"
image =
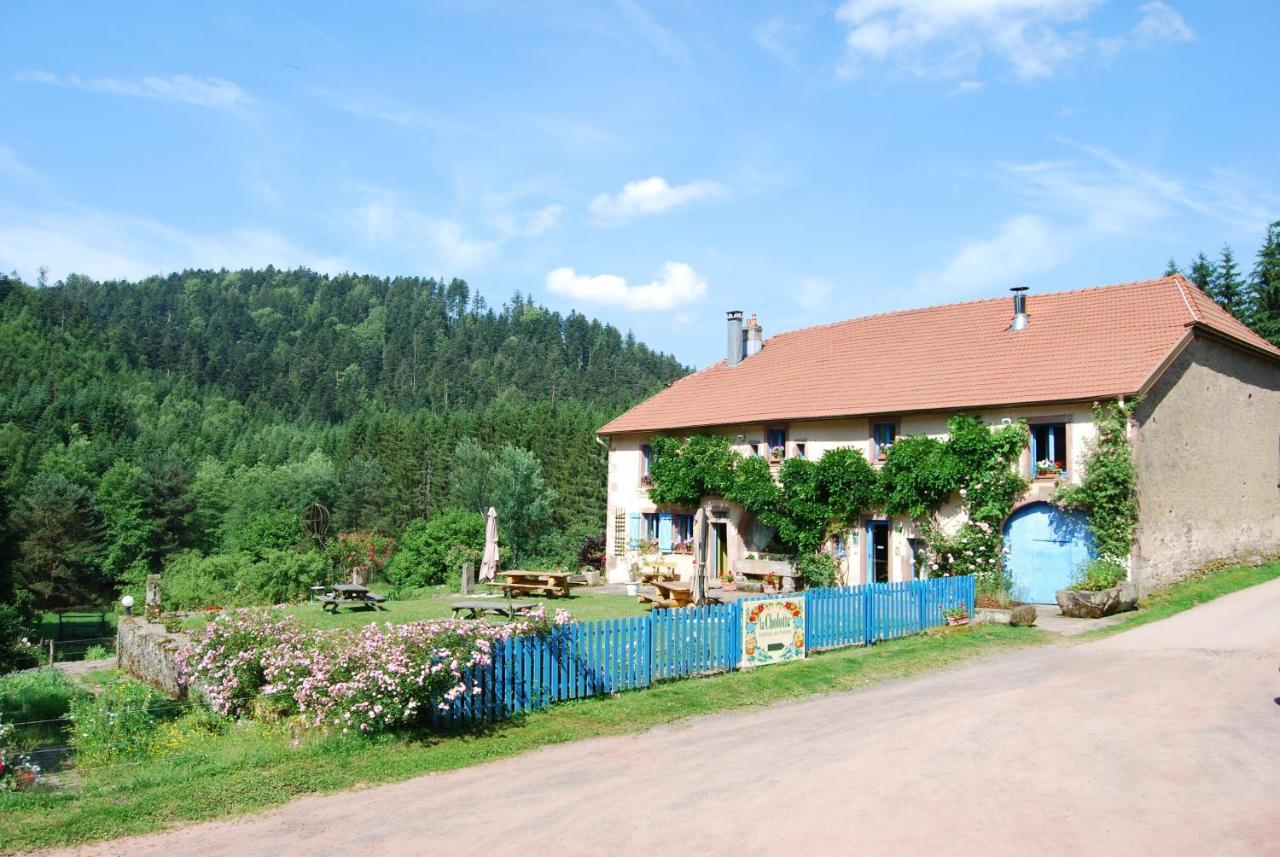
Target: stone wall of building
column 145, row 651
column 1207, row 449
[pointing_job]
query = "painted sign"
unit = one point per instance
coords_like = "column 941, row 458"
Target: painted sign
column 772, row 630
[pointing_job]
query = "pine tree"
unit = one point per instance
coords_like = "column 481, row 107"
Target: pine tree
column 1172, row 268
column 1227, row 286
column 1201, row 272
column 1264, row 288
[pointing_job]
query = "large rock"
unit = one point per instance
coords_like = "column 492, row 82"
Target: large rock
column 1081, row 604
column 1023, row 616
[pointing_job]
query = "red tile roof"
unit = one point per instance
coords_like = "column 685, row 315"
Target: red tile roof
column 1088, row 344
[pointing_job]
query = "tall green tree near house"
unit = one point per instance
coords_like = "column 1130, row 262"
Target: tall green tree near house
column 1172, row 268
column 60, row 544
column 1263, row 300
column 1227, row 285
column 1201, row 272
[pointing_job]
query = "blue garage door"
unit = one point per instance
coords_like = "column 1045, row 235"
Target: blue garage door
column 1047, row 549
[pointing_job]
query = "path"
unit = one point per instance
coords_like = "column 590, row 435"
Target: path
column 1164, row 740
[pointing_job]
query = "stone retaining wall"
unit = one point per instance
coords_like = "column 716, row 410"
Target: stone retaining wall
column 145, row 651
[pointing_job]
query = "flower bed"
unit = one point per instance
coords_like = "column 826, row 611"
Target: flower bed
column 371, row 679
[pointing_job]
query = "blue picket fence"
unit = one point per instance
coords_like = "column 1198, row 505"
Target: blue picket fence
column 587, row 659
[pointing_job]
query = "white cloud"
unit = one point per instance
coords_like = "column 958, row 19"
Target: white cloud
column 210, row 92
column 951, row 38
column 542, row 220
column 948, row 39
column 965, row 87
column 649, row 196
column 1160, row 23
column 774, row 37
column 1024, row 246
column 106, row 245
column 677, row 284
column 659, row 37
column 387, row 222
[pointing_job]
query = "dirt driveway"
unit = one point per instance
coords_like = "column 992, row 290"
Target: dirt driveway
column 1164, row 740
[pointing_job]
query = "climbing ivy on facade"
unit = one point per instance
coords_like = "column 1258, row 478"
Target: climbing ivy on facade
column 1107, row 493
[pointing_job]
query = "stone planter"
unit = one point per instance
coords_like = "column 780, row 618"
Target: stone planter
column 633, row 587
column 762, row 567
column 1079, row 604
column 957, row 620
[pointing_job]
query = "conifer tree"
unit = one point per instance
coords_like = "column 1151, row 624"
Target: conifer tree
column 1172, row 268
column 1264, row 288
column 1201, row 272
column 1227, row 287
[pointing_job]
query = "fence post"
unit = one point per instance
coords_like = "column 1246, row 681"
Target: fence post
column 868, row 613
column 51, row 653
column 648, row 648
column 922, row 592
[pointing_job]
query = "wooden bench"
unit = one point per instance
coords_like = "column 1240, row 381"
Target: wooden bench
column 476, row 609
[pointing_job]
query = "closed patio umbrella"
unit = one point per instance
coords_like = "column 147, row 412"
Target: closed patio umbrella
column 489, row 562
column 698, row 585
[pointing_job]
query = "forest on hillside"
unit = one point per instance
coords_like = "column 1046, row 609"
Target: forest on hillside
column 181, row 423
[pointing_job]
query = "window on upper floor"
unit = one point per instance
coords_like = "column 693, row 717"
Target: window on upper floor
column 646, row 461
column 777, row 442
column 883, row 435
column 1049, row 455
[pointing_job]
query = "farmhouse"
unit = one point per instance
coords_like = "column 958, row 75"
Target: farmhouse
column 1205, row 434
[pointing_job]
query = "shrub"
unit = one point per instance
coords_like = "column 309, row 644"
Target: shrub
column 192, row 581
column 281, row 576
column 818, row 569
column 16, row 770
column 118, row 724
column 228, row 658
column 373, row 679
column 193, row 731
column 37, row 695
column 17, row 624
column 97, row 652
column 1101, row 573
column 429, row 549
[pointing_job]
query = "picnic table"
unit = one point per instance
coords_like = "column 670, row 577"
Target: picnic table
column 658, row 571
column 671, row 593
column 553, row 584
column 347, row 594
column 478, row 609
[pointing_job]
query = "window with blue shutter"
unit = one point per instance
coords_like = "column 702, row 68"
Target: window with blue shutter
column 664, row 532
column 1048, row 448
column 777, row 441
column 633, row 540
column 885, row 434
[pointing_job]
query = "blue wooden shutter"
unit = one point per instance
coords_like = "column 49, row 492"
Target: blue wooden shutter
column 633, row 540
column 664, row 532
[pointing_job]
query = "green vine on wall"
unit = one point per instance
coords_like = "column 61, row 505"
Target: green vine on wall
column 1108, row 490
column 811, row 499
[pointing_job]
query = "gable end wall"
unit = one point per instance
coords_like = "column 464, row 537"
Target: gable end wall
column 1207, row 450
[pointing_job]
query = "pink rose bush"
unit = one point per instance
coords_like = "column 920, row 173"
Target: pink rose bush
column 371, row 679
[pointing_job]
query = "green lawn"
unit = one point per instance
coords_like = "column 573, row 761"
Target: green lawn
column 255, row 766
column 1187, row 594
column 584, row 605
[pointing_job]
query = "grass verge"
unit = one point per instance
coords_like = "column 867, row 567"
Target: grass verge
column 253, row 766
column 1203, row 587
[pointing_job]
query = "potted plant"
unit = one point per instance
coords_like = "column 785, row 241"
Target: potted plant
column 1048, row 467
column 958, row 615
column 771, row 584
column 727, row 581
column 777, row 453
column 633, row 585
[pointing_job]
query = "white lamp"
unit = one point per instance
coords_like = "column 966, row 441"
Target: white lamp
column 127, row 603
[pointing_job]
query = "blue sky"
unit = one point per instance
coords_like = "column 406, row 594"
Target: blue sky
column 651, row 164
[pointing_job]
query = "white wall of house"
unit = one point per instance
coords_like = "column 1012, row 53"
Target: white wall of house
column 629, row 495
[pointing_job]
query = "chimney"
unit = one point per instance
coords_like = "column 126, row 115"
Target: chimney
column 755, row 336
column 1019, row 308
column 734, row 317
